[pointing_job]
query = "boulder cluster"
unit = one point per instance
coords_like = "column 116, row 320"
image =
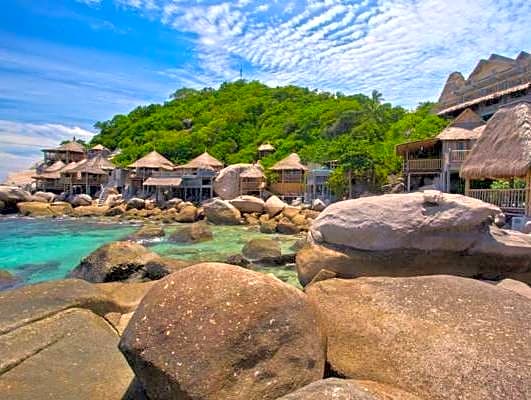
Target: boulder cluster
column 371, row 323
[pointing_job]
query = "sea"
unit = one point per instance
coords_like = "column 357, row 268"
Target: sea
column 38, row 250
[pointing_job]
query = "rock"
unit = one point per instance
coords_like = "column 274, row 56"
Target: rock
column 221, row 212
column 239, row 260
column 148, row 231
column 136, row 203
column 400, row 235
column 193, row 233
column 268, row 226
column 263, row 218
column 500, row 220
column 187, row 214
column 90, row 211
column 80, row 200
column 61, row 208
column 173, row 203
column 395, row 330
column 183, row 204
column 322, row 275
column 47, row 196
column 290, row 211
column 348, row 389
column 155, row 270
column 11, row 195
column 250, row 219
column 114, row 261
column 256, row 249
column 318, row 205
column 113, row 200
column 274, row 206
column 227, row 183
column 248, row 204
column 149, row 204
column 115, row 211
column 253, row 336
column 35, row 209
column 287, row 227
column 299, row 221
column 69, row 355
column 527, row 227
column 7, row 280
column 310, row 213
column 516, row 286
column 297, row 202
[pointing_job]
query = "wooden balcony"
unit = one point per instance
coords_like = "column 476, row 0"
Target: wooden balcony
column 424, row 165
column 458, row 156
column 512, row 201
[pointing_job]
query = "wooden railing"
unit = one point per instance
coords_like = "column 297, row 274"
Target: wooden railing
column 511, row 200
column 458, row 156
column 425, row 164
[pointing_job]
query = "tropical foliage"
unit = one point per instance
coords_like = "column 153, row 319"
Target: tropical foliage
column 358, row 131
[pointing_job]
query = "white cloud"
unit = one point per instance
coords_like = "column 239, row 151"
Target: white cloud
column 21, row 142
column 404, row 48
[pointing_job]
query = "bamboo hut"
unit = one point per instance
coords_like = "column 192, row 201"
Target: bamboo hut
column 48, row 180
column 264, row 150
column 203, row 161
column 88, row 176
column 252, row 181
column 290, row 177
column 151, row 164
column 198, row 177
column 67, row 152
column 503, row 151
column 99, row 150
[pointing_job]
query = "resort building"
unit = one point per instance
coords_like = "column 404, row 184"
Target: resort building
column 88, row 176
column 48, row 179
column 503, row 152
column 66, row 153
column 265, row 150
column 317, row 184
column 151, row 164
column 289, row 180
column 99, row 150
column 436, row 161
column 252, row 181
column 492, row 84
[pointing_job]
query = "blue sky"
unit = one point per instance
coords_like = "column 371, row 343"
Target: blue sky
column 65, row 64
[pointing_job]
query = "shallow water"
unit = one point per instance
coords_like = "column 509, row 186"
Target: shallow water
column 36, row 250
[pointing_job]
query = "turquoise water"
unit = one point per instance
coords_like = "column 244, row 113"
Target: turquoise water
column 36, row 250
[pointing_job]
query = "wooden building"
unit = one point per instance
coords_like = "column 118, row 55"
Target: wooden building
column 436, row 161
column 203, row 161
column 492, row 84
column 87, row 176
column 48, row 179
column 265, row 150
column 317, row 184
column 503, row 151
column 252, row 181
column 69, row 152
column 289, row 177
column 151, row 164
column 198, row 177
column 99, row 150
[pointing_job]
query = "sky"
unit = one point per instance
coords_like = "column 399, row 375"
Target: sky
column 65, row 64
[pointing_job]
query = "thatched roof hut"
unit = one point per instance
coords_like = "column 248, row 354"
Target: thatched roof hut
column 467, row 126
column 266, row 147
column 98, row 165
column 504, row 148
column 71, row 147
column 253, row 172
column 203, row 161
column 51, row 172
column 291, row 162
column 153, row 160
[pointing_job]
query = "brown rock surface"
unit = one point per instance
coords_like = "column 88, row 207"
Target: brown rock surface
column 192, row 233
column 248, row 204
column 439, row 337
column 274, row 206
column 90, row 211
column 149, row 231
column 216, row 331
column 257, row 249
column 187, row 214
column 221, row 212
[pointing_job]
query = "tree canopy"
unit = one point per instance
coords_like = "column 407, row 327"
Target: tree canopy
column 358, row 131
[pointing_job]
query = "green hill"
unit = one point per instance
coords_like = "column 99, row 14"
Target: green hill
column 232, row 121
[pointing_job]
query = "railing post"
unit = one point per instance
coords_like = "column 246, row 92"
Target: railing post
column 467, row 187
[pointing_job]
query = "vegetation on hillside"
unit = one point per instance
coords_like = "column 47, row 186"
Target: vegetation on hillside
column 358, row 131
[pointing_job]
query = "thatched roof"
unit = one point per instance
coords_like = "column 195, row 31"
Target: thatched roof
column 253, row 172
column 72, row 147
column 204, row 161
column 163, row 181
column 403, row 148
column 51, row 172
column 153, row 161
column 266, row 147
column 96, row 166
column 20, row 179
column 468, row 125
column 504, row 148
column 291, row 162
column 99, row 147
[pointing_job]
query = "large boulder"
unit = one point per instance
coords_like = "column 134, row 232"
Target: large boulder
column 438, row 337
column 348, row 389
column 148, row 231
column 113, row 200
column 90, row 211
column 227, row 183
column 414, row 234
column 318, row 205
column 274, row 206
column 516, row 286
column 80, row 200
column 257, row 249
column 187, row 214
column 248, row 204
column 35, row 209
column 136, row 203
column 217, row 331
column 115, row 261
column 46, row 196
column 11, row 195
column 192, row 233
column 221, row 212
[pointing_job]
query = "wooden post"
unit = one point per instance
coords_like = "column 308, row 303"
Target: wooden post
column 528, row 194
column 467, row 187
column 408, row 183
